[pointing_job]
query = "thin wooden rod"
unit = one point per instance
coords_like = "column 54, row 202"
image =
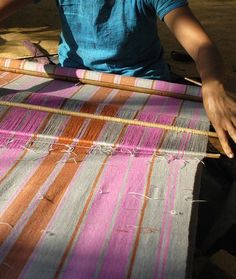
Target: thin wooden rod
column 104, row 84
column 193, row 81
column 109, row 118
column 36, row 56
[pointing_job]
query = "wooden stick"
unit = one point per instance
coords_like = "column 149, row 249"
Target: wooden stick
column 109, row 118
column 104, row 84
column 193, row 81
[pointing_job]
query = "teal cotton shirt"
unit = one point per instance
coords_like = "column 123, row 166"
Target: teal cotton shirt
column 115, row 36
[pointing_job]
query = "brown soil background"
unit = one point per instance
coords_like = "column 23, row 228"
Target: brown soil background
column 40, row 24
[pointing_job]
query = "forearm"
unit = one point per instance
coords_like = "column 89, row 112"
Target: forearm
column 209, row 64
column 197, row 43
column 8, row 7
column 220, row 108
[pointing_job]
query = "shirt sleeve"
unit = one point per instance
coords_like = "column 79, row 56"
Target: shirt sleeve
column 163, row 7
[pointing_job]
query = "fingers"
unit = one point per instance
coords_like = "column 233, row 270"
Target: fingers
column 221, row 111
column 224, row 142
column 232, row 104
column 234, row 121
column 232, row 132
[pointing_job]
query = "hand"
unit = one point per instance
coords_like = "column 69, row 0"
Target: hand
column 221, row 111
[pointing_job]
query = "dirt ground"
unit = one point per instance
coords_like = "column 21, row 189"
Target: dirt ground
column 40, row 24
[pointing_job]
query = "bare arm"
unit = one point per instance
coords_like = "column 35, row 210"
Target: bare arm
column 220, row 108
column 8, row 7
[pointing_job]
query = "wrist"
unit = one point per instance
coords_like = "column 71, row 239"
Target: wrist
column 212, row 88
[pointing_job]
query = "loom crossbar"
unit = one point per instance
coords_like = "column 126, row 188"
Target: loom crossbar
column 109, row 119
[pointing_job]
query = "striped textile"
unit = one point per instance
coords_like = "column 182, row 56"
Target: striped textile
column 84, row 198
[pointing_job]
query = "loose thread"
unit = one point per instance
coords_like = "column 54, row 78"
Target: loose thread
column 144, row 196
column 174, row 212
column 200, row 161
column 48, row 232
column 44, row 197
column 109, row 149
column 7, row 265
column 186, row 198
column 101, row 192
column 48, row 199
column 144, row 229
column 7, row 224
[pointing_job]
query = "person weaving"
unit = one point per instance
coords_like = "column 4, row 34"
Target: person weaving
column 121, row 37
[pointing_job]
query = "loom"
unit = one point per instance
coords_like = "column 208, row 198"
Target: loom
column 99, row 173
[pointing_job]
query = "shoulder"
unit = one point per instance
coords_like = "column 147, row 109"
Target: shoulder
column 163, row 7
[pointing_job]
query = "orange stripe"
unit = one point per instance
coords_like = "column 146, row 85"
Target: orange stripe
column 85, row 209
column 134, row 252
column 21, row 202
column 107, row 77
column 130, row 81
column 17, row 64
column 46, row 208
column 88, row 201
column 9, row 77
column 26, row 151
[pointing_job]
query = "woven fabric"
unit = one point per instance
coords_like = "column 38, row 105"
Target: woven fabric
column 84, row 198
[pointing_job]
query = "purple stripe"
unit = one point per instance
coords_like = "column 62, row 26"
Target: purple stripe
column 86, row 252
column 121, row 241
column 70, row 72
column 170, row 87
column 124, row 231
column 183, row 145
column 163, row 105
column 169, row 204
column 176, row 172
column 32, row 119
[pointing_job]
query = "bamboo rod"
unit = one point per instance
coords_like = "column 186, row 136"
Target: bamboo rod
column 109, row 118
column 104, row 84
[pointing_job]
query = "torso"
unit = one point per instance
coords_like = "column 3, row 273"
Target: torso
column 111, row 36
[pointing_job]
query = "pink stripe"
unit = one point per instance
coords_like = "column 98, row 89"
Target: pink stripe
column 170, row 87
column 169, row 203
column 167, row 219
column 160, row 85
column 183, row 145
column 80, row 73
column 124, row 231
column 86, row 252
column 163, row 105
column 32, row 119
column 177, row 88
column 120, row 244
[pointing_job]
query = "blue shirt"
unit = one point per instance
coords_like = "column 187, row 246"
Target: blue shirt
column 115, row 36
